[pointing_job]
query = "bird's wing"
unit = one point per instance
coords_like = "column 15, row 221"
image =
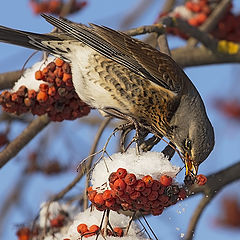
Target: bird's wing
column 134, row 54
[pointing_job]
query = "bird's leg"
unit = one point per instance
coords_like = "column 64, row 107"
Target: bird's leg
column 148, row 144
column 169, row 150
column 130, row 123
column 124, row 135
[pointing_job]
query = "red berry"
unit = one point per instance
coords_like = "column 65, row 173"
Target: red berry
column 201, row 179
column 42, row 97
column 110, row 203
column 107, row 195
column 165, row 180
column 38, row 75
column 129, row 189
column 182, row 194
column 118, row 231
column 140, row 185
column 156, row 204
column 156, row 185
column 121, row 172
column 142, row 200
column 82, row 228
column 146, row 192
column 156, row 212
column 57, row 221
column 135, row 195
column 43, row 87
column 59, row 62
column 130, row 179
column 153, row 196
column 163, row 199
column 94, row 229
column 98, row 199
column 113, row 177
column 119, row 185
column 91, row 194
column 161, row 190
column 148, row 180
column 88, row 234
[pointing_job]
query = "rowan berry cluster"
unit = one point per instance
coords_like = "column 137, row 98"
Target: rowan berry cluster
column 94, row 229
column 54, row 6
column 56, row 96
column 196, row 13
column 25, row 233
column 127, row 192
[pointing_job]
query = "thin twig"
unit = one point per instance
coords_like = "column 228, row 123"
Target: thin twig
column 80, row 174
column 156, row 28
column 196, row 216
column 145, row 220
column 23, row 139
column 163, row 44
column 93, row 149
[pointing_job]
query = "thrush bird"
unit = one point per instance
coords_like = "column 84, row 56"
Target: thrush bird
column 128, row 79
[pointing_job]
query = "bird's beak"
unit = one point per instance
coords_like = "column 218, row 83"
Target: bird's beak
column 191, row 166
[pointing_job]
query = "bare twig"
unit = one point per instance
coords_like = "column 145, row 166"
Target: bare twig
column 163, row 44
column 93, row 150
column 156, row 28
column 196, row 216
column 23, row 139
column 207, row 40
column 88, row 165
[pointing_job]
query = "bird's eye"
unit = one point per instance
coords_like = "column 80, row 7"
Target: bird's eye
column 188, row 144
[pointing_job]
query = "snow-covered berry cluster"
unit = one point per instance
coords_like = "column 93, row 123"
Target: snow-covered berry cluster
column 51, row 91
column 128, row 192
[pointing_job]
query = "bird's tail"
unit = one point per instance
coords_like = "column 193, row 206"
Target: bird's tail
column 24, row 39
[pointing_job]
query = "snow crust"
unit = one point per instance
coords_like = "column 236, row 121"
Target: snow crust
column 28, row 77
column 154, row 164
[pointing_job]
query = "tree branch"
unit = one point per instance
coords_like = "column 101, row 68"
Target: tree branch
column 196, row 216
column 216, row 182
column 201, row 56
column 23, row 139
column 8, row 79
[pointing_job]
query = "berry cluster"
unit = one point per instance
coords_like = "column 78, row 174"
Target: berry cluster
column 58, row 221
column 196, row 13
column 129, row 193
column 54, row 6
column 25, row 233
column 56, row 96
column 228, row 28
column 200, row 11
column 230, row 108
column 94, row 229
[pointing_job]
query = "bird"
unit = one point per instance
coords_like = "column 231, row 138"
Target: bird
column 126, row 78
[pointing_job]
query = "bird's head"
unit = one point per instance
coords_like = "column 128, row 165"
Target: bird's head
column 192, row 133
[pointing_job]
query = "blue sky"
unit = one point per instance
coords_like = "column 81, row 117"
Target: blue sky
column 211, row 81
